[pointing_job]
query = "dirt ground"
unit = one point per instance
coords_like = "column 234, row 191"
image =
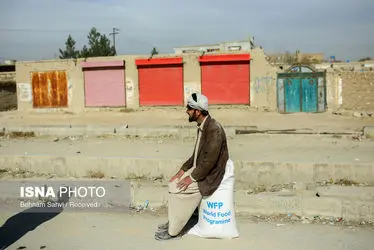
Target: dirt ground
column 151, row 117
column 127, row 231
column 255, row 147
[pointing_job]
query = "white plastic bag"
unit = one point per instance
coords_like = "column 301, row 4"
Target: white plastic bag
column 217, row 212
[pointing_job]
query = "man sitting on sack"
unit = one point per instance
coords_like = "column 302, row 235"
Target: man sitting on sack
column 201, row 174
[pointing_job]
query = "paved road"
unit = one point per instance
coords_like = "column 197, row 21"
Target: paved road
column 68, row 231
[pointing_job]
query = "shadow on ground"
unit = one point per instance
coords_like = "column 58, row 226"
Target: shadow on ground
column 194, row 219
column 20, row 224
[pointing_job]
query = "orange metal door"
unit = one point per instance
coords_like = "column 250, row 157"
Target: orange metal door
column 160, row 81
column 225, row 79
column 49, row 89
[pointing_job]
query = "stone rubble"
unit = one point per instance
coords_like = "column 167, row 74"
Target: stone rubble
column 20, row 173
column 302, row 186
column 281, row 219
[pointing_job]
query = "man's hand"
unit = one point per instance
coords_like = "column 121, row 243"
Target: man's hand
column 184, row 183
column 177, row 176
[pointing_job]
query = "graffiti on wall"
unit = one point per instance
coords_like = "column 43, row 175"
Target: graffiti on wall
column 262, row 84
column 191, row 88
column 129, row 92
column 70, row 92
column 24, row 92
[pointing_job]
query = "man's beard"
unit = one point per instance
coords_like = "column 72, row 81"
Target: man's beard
column 192, row 118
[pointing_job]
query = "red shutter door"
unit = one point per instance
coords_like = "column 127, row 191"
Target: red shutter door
column 160, row 81
column 225, row 78
column 104, row 84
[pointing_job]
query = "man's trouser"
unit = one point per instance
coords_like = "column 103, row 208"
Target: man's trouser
column 182, row 204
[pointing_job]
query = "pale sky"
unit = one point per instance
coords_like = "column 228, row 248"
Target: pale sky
column 36, row 29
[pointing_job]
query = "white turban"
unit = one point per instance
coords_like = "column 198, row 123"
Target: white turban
column 198, row 101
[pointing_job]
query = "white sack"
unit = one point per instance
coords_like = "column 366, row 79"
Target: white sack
column 217, row 212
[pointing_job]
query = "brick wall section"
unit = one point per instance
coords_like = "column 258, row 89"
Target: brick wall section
column 7, row 76
column 358, row 91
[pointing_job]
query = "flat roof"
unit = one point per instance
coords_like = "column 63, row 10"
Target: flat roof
column 212, row 44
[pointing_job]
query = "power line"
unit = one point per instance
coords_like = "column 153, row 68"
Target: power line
column 115, row 31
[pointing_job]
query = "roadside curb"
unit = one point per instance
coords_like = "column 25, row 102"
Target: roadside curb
column 295, row 205
column 177, row 132
column 302, row 203
column 249, row 174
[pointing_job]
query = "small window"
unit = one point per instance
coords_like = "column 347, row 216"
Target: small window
column 190, row 51
column 235, row 48
column 295, row 69
column 212, row 50
column 306, row 70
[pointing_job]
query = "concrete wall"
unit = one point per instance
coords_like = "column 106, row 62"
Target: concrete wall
column 344, row 89
column 76, row 79
column 290, row 58
column 75, row 82
column 76, row 101
column 333, row 91
column 263, row 81
column 191, row 75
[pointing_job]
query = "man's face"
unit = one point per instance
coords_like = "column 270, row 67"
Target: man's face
column 193, row 114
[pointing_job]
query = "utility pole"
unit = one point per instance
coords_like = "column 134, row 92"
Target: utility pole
column 115, row 31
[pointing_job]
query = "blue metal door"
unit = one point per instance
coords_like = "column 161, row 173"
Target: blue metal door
column 301, row 89
column 309, row 96
column 292, row 90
